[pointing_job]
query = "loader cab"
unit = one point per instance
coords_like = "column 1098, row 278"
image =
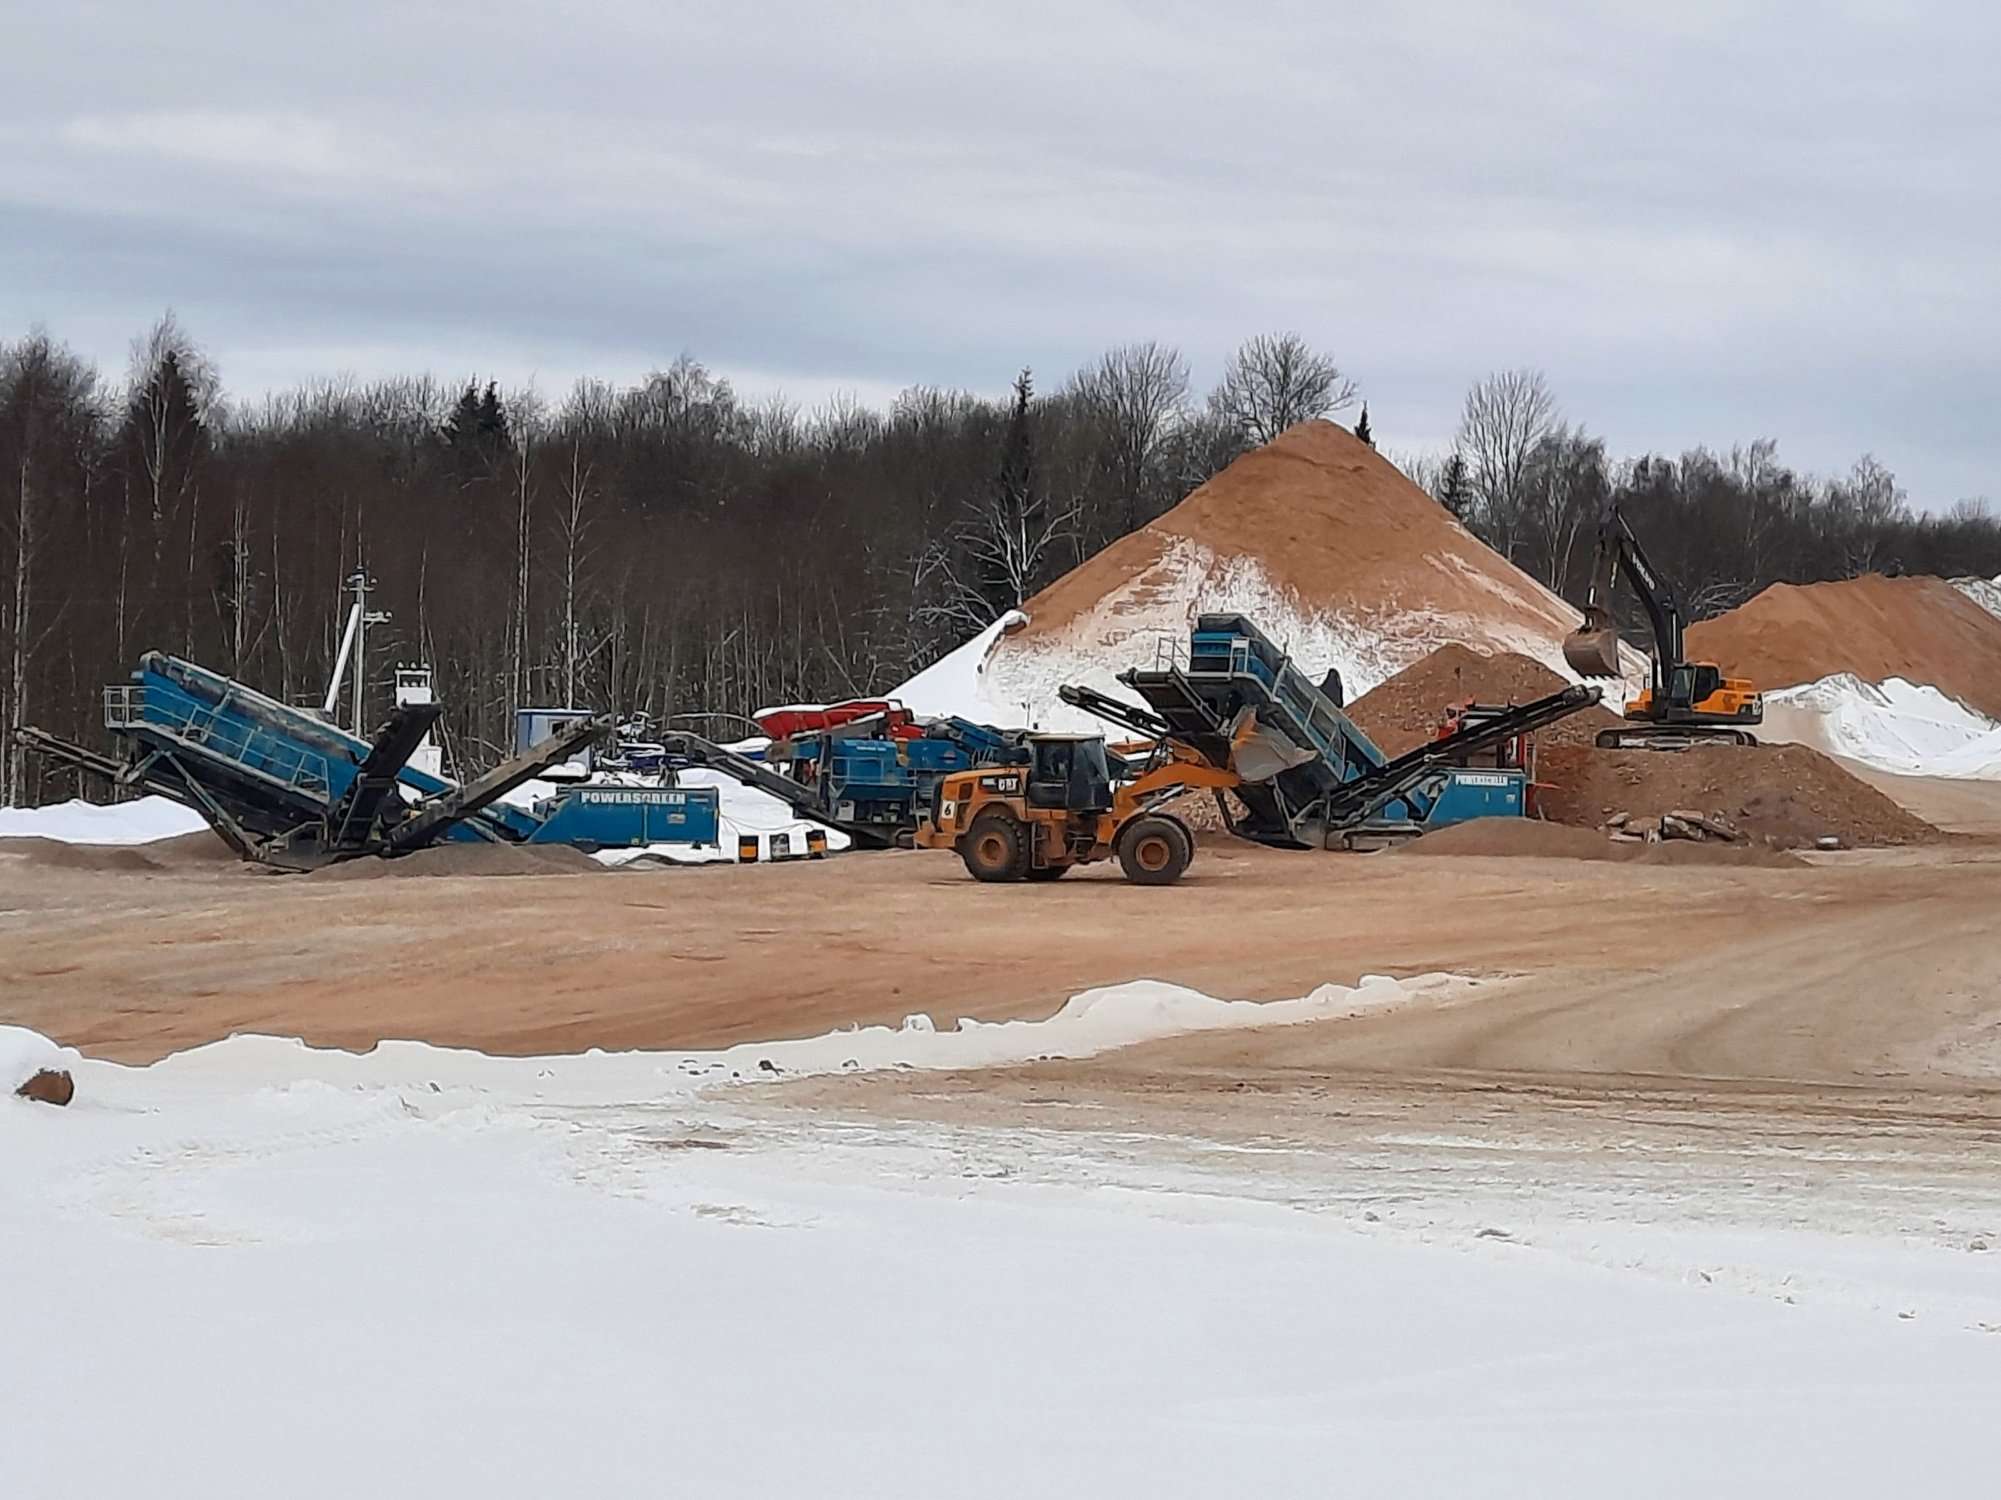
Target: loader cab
column 1068, row 773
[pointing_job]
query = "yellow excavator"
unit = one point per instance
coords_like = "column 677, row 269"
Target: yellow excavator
column 1684, row 703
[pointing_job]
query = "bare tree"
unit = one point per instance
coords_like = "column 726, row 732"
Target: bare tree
column 1136, row 395
column 1274, row 381
column 525, row 423
column 48, row 418
column 583, row 418
column 1564, row 490
column 1000, row 552
column 175, row 396
column 1505, row 417
column 1425, row 470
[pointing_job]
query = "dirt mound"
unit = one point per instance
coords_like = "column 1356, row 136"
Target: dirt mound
column 1403, row 713
column 202, row 848
column 1515, row 836
column 1920, row 629
column 54, row 854
column 1786, row 796
column 1534, row 838
column 467, row 859
column 49, row 1086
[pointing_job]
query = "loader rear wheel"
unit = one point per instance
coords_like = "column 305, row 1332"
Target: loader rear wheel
column 995, row 848
column 1154, row 850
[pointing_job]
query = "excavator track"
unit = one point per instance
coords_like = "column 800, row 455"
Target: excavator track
column 1671, row 736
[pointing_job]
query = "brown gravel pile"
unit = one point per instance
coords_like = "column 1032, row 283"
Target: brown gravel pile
column 1785, row 796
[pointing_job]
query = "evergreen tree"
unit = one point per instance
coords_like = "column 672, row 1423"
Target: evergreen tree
column 1362, row 427
column 477, row 433
column 1455, row 490
column 493, row 429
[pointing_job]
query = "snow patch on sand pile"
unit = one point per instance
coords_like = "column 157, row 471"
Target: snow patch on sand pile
column 1908, row 729
column 78, row 822
column 1985, row 592
column 997, row 678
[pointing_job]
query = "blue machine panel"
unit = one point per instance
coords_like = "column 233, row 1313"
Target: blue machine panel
column 619, row 817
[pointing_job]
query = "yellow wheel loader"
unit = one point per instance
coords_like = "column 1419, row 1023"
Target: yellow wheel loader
column 1057, row 807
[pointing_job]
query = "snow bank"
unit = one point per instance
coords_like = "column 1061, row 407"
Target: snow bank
column 1095, row 1021
column 955, row 684
column 24, row 1053
column 80, row 822
column 1906, row 728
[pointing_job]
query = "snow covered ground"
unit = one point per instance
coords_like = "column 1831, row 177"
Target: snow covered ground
column 256, row 1268
column 1905, row 728
column 78, row 822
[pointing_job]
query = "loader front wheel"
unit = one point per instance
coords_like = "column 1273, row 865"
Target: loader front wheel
column 995, row 848
column 1154, row 850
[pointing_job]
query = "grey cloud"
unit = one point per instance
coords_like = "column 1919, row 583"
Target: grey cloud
column 1708, row 222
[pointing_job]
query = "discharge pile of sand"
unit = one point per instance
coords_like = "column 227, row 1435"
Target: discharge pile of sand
column 467, row 859
column 1403, row 713
column 186, row 851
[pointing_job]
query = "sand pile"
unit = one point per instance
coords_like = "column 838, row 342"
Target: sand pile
column 1318, row 538
column 1923, row 630
column 53, row 854
column 467, row 859
column 1787, row 796
column 1403, row 713
column 1529, row 837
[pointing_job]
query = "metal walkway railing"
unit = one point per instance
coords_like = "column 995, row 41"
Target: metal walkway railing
column 209, row 730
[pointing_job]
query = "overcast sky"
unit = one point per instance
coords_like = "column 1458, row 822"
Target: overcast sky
column 1706, row 221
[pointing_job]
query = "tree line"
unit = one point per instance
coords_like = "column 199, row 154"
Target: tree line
column 1720, row 525
column 669, row 547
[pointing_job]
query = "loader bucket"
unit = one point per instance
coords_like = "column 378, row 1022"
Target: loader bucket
column 1593, row 648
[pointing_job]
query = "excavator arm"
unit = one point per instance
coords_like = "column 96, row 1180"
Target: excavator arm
column 1593, row 649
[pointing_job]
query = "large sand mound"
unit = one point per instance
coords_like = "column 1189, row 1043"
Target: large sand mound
column 1316, row 537
column 1923, row 630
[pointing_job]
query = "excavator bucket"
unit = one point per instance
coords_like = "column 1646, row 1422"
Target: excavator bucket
column 1593, row 648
